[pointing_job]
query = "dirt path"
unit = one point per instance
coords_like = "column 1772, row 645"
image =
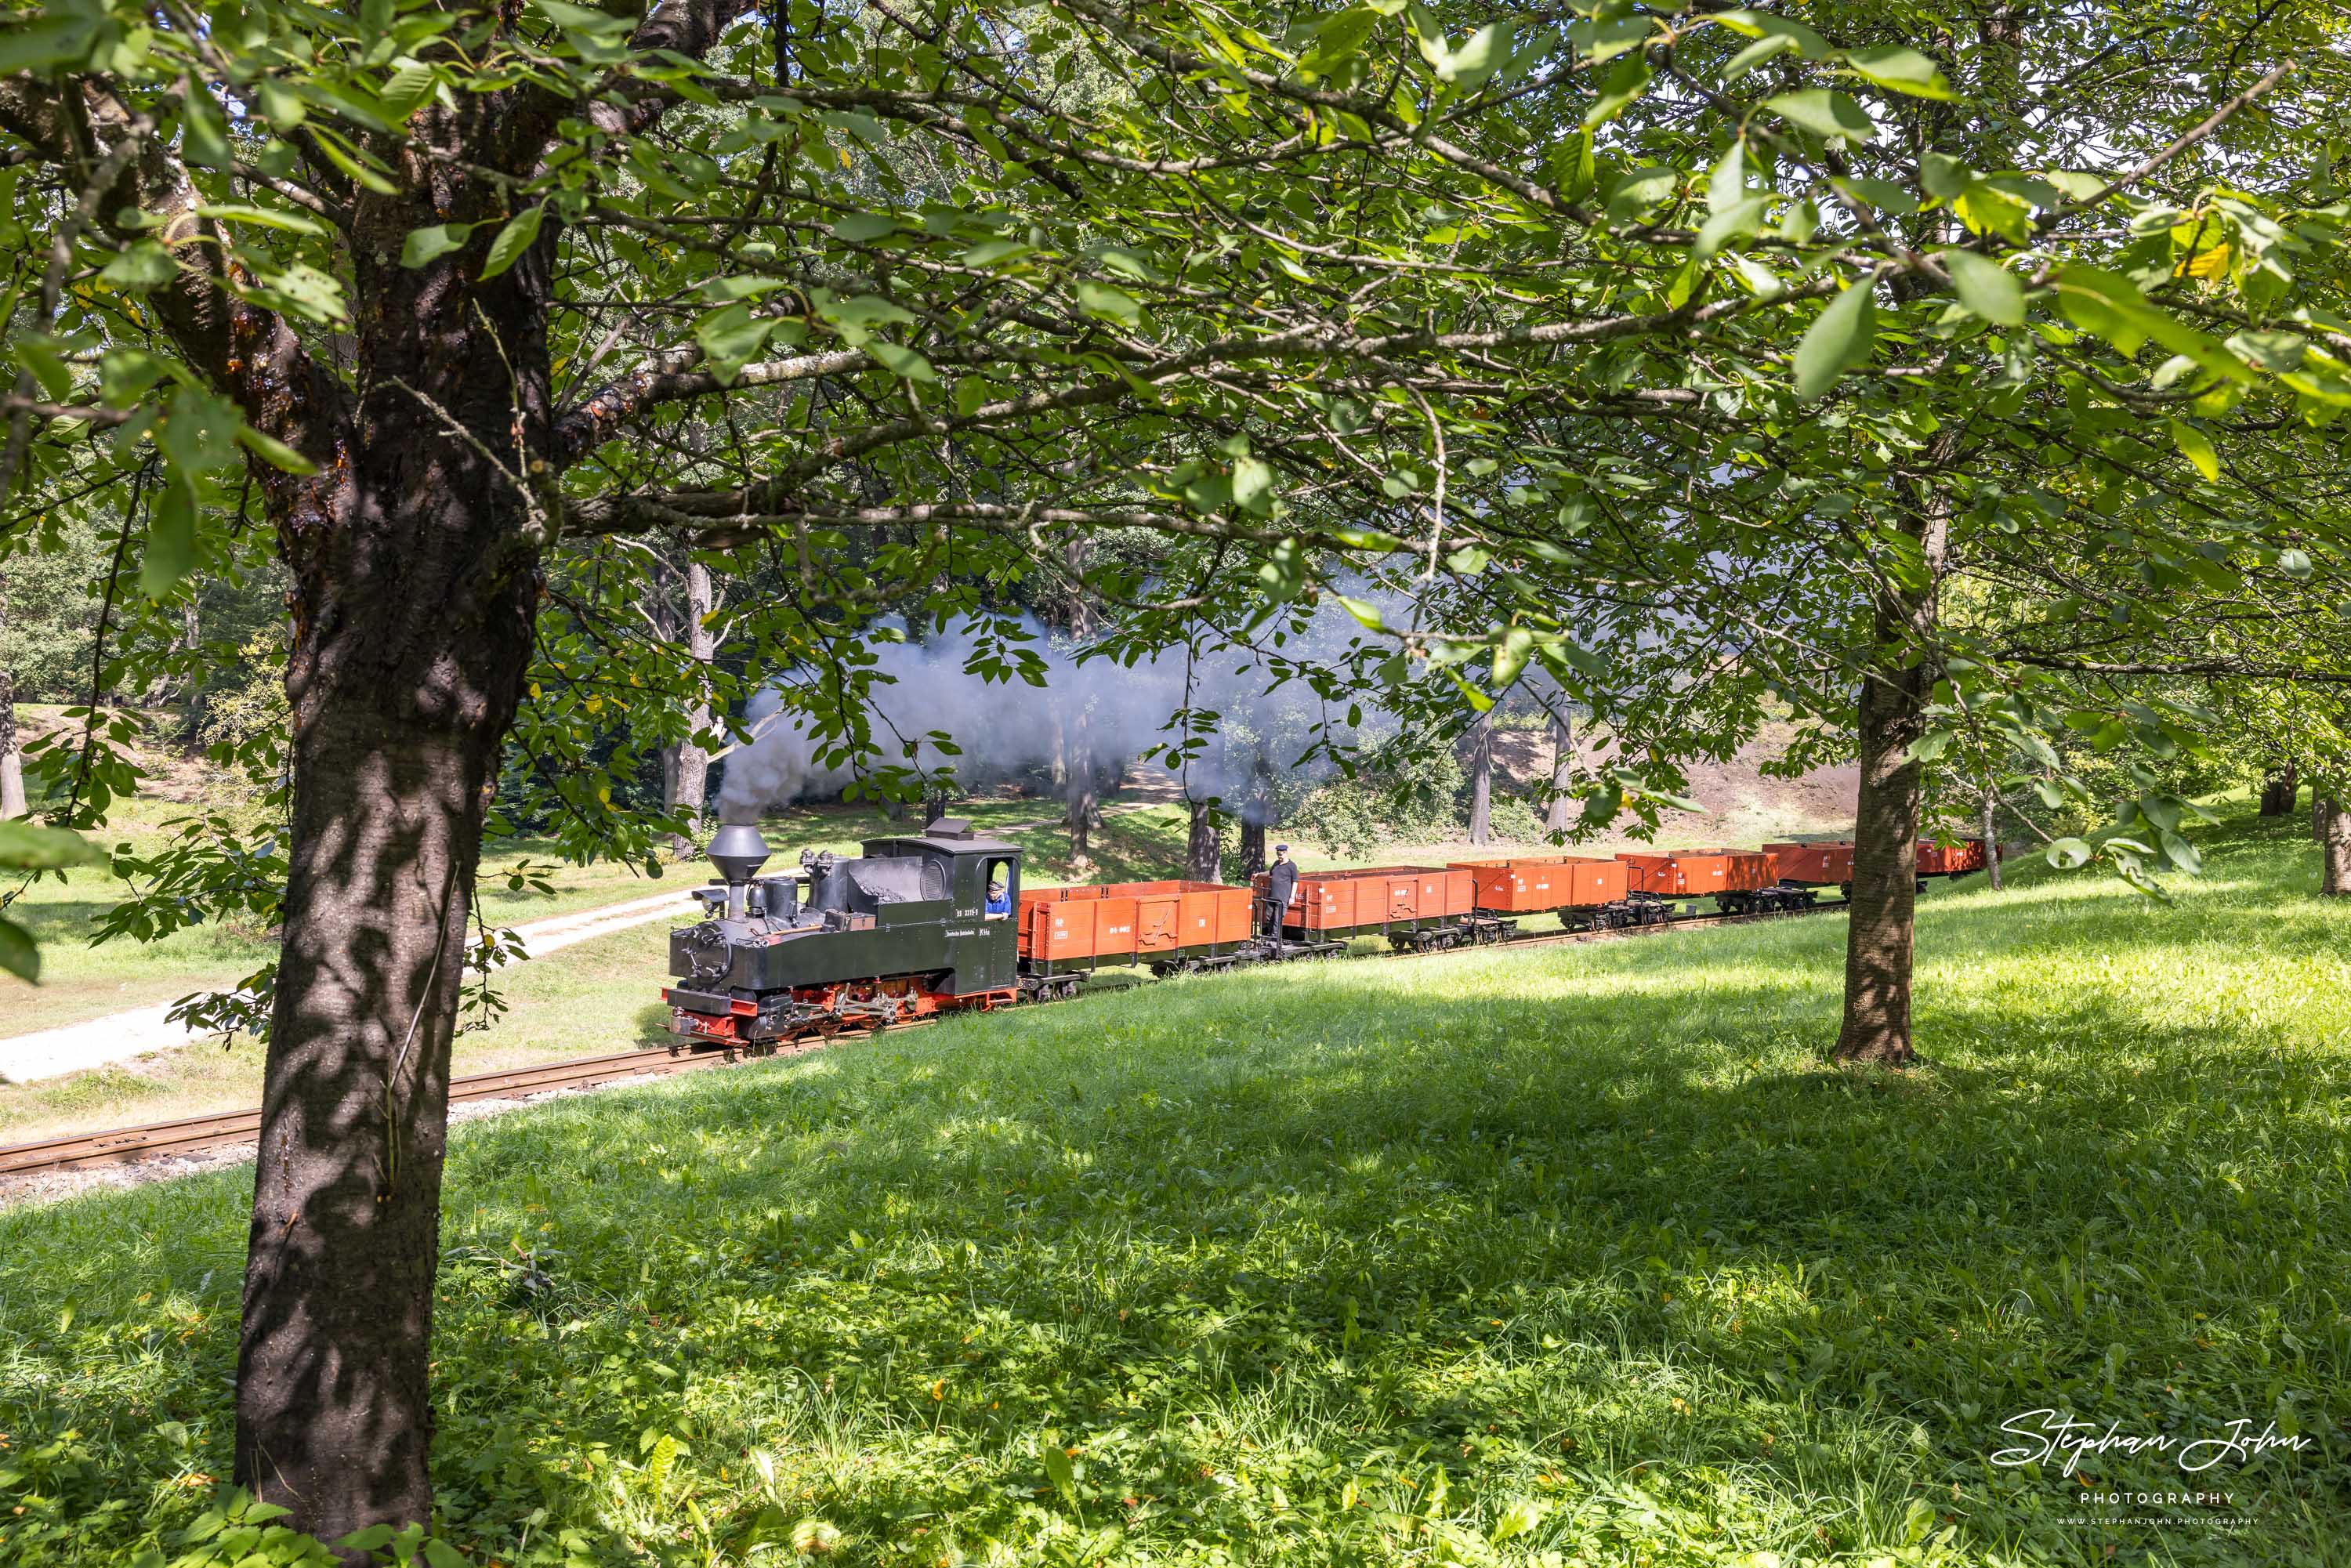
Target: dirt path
column 119, row 1037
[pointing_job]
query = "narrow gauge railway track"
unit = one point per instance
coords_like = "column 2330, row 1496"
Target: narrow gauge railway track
column 227, row 1128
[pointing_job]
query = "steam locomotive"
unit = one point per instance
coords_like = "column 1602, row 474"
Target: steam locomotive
column 938, row 922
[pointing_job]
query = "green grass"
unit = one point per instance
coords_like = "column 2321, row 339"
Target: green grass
column 1359, row 1262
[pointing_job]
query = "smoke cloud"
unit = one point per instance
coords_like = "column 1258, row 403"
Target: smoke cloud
column 1099, row 711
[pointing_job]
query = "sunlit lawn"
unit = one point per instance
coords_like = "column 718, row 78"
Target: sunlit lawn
column 1574, row 1255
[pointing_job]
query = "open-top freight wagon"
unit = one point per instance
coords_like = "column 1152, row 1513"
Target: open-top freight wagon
column 1416, row 907
column 1956, row 858
column 1586, row 892
column 1066, row 933
column 1815, row 862
column 1740, row 882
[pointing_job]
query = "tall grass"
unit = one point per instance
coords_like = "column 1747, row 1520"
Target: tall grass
column 1575, row 1254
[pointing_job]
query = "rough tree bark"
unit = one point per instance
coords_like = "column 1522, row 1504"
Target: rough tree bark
column 2334, row 848
column 1252, row 851
column 689, row 773
column 414, row 591
column 1204, row 848
column 2280, row 790
column 1561, row 814
column 413, row 559
column 1990, row 829
column 12, row 760
column 1079, row 789
column 1481, row 778
column 1894, row 690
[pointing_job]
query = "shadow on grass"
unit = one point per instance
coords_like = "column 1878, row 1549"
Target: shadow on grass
column 1337, row 1264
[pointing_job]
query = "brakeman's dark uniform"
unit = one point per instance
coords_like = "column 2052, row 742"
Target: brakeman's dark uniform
column 1280, row 885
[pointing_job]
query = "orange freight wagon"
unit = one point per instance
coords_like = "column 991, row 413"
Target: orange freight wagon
column 1533, row 885
column 1412, row 905
column 1954, row 858
column 1825, row 863
column 1731, row 877
column 1165, row 924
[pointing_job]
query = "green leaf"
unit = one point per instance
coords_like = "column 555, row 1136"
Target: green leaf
column 900, row 361
column 514, row 239
column 2181, row 852
column 1943, row 177
column 580, row 19
column 423, row 245
column 143, row 264
column 1838, row 340
column 1726, row 186
column 1883, row 194
column 45, row 357
column 171, row 552
column 1765, row 25
column 1104, row 303
column 1253, row 485
column 2067, row 853
column 269, row 219
column 1756, row 54
column 17, row 953
column 730, row 338
column 1739, row 218
column 1987, row 288
column 1986, row 208
column 1900, row 70
column 1481, row 55
column 1823, row 112
column 24, row 847
column 274, row 452
column 124, row 374
column 1339, row 39
column 203, row 132
column 1626, row 82
column 1058, row 1468
column 405, row 90
column 2197, row 447
column 44, row 43
column 861, row 227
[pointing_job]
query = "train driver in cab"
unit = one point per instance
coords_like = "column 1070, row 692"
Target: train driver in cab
column 999, row 892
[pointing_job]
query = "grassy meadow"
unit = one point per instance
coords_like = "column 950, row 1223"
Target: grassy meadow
column 1577, row 1255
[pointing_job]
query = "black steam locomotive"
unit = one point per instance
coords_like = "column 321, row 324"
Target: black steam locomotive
column 912, row 927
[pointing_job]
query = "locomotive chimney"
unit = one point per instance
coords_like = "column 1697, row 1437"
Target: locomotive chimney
column 739, row 852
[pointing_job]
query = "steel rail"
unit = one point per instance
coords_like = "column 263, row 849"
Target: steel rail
column 227, row 1128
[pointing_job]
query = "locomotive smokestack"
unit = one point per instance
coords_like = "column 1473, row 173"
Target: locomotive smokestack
column 739, row 852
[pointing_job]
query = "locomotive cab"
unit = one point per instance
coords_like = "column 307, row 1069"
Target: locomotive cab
column 906, row 928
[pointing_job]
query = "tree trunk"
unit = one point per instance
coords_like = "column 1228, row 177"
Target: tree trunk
column 2280, row 790
column 1561, row 814
column 1991, row 836
column 1079, row 789
column 691, row 790
column 415, row 578
column 1894, row 691
column 2335, row 848
column 1204, row 849
column 1481, row 778
column 1252, row 855
column 12, row 760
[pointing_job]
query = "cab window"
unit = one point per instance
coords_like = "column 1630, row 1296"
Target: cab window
column 996, row 879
